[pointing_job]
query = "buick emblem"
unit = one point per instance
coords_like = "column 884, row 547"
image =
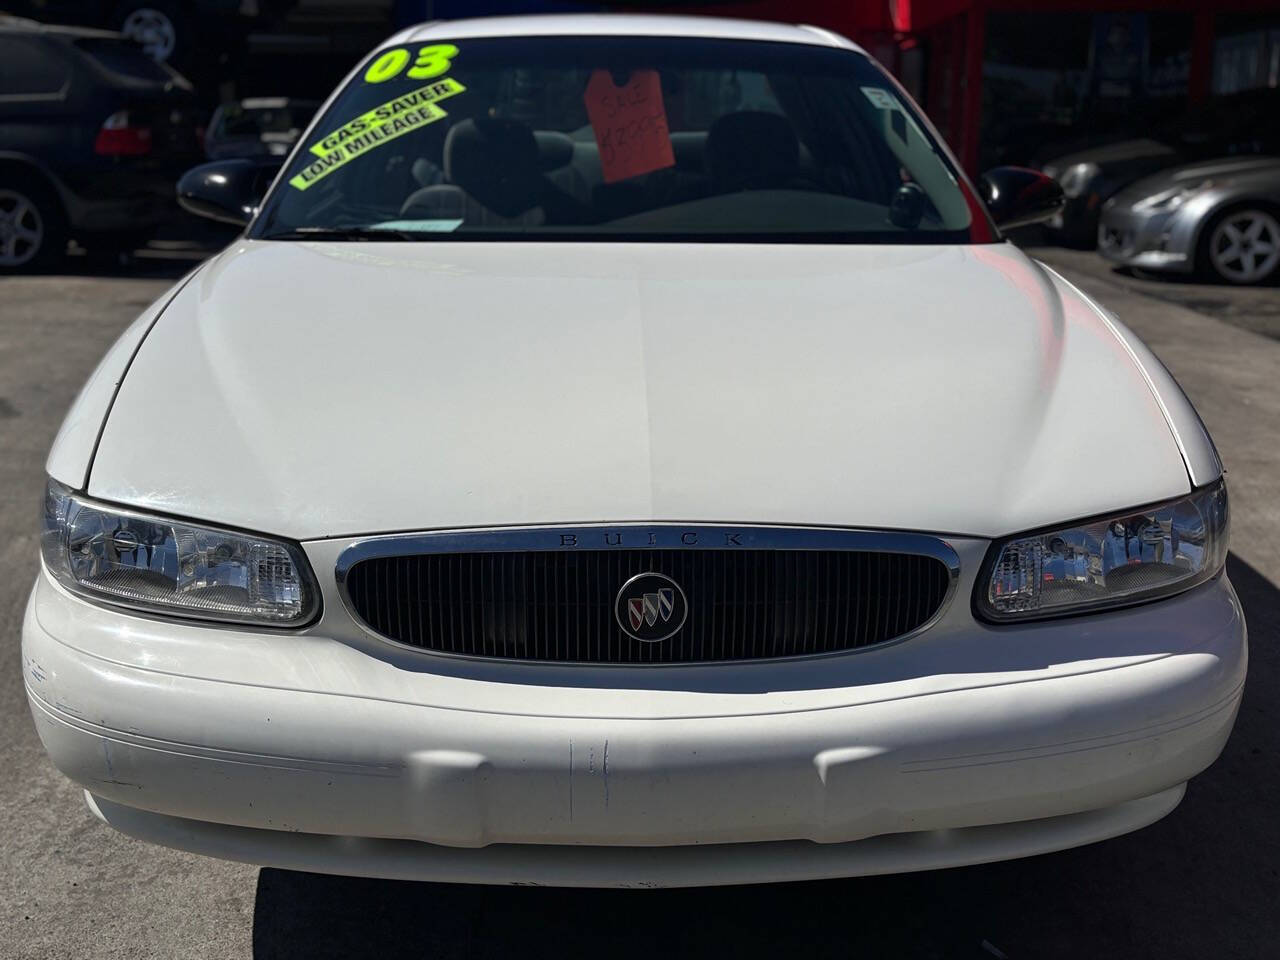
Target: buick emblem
column 650, row 607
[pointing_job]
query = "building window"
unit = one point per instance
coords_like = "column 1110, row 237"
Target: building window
column 1246, row 54
column 1057, row 81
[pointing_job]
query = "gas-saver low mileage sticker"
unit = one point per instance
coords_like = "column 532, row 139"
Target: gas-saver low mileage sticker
column 375, row 127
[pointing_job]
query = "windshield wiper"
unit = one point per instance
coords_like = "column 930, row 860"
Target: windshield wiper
column 343, row 233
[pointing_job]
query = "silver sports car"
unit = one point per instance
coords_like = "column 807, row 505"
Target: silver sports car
column 1220, row 218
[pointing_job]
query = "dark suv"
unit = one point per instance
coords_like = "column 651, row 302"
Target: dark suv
column 93, row 136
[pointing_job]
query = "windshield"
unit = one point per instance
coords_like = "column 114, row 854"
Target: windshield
column 622, row 138
column 127, row 59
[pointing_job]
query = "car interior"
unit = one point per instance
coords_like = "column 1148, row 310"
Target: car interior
column 495, row 170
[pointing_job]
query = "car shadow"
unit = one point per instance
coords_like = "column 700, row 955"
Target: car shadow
column 1196, row 278
column 177, row 246
column 147, row 263
column 1202, row 882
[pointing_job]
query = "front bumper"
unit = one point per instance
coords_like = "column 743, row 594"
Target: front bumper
column 227, row 742
column 1076, row 224
column 1149, row 240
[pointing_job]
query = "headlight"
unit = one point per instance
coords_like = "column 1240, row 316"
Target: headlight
column 166, row 566
column 1173, row 198
column 1076, row 178
column 1109, row 562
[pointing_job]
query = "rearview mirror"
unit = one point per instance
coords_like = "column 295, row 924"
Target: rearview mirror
column 1018, row 196
column 227, row 190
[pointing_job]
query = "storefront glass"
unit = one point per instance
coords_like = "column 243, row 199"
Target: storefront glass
column 1053, row 80
column 1246, row 54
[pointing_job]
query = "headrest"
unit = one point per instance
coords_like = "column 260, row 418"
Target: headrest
column 496, row 161
column 752, row 148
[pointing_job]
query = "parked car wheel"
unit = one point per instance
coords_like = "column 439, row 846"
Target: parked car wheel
column 1242, row 245
column 33, row 231
column 156, row 25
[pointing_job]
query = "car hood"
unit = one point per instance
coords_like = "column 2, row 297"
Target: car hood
column 1223, row 171
column 1120, row 154
column 323, row 389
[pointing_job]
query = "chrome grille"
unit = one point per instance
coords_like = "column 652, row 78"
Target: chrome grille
column 558, row 605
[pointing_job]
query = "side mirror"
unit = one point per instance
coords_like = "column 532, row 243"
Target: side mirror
column 1018, row 196
column 227, row 190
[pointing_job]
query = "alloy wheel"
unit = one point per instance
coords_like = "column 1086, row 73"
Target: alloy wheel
column 21, row 229
column 153, row 29
column 1245, row 246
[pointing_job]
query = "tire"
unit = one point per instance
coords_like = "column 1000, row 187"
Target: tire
column 33, row 226
column 159, row 25
column 1241, row 245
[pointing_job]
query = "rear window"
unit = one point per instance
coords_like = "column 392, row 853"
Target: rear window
column 28, row 67
column 615, row 138
column 125, row 59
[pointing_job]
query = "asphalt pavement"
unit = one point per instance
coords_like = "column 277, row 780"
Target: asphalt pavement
column 1203, row 882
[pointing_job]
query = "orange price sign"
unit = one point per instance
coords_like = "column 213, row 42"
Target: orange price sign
column 630, row 124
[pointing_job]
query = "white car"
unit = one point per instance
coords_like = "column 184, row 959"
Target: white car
column 622, row 451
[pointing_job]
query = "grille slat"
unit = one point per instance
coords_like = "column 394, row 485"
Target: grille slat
column 559, row 606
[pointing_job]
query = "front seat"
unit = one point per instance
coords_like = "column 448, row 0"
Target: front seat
column 491, row 177
column 752, row 150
